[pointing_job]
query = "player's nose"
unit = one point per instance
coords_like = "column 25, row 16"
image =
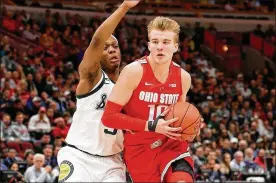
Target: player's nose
column 111, row 50
column 160, row 46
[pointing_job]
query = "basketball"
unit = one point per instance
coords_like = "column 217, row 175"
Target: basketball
column 189, row 119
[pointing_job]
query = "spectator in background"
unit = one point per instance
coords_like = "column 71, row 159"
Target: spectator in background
column 212, row 28
column 4, row 127
column 37, row 173
column 11, row 158
column 237, row 164
column 270, row 31
column 48, row 153
column 199, row 157
column 228, row 6
column 260, row 159
column 225, row 168
column 250, row 165
column 242, row 145
column 61, row 128
column 45, row 140
column 8, row 61
column 18, row 131
column 33, row 103
column 29, row 157
column 19, row 177
column 39, row 124
column 258, row 31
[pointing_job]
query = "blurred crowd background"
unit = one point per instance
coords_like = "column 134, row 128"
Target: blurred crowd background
column 39, row 57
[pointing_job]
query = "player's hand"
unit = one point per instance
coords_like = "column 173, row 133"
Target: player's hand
column 163, row 126
column 130, row 3
column 202, row 124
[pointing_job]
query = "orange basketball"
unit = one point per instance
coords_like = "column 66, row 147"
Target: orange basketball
column 189, row 119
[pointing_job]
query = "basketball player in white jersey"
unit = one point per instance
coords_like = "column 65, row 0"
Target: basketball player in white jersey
column 92, row 153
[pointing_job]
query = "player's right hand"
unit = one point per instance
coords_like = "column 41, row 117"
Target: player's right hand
column 163, row 126
column 130, row 3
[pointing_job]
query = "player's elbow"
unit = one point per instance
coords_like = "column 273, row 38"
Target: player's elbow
column 107, row 120
column 110, row 114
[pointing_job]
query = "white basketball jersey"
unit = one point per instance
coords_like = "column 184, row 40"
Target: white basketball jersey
column 87, row 131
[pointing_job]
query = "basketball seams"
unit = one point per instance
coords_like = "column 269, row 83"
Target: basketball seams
column 192, row 123
column 198, row 120
column 185, row 114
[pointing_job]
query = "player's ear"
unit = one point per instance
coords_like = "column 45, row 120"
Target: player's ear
column 149, row 46
column 176, row 45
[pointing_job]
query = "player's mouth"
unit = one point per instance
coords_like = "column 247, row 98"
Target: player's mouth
column 114, row 59
column 160, row 55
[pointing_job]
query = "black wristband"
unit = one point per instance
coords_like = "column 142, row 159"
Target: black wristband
column 152, row 124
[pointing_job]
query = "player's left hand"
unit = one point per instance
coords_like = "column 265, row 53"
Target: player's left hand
column 130, row 3
column 202, row 124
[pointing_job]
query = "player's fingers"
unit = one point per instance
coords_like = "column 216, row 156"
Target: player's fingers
column 202, row 120
column 172, row 129
column 174, row 134
column 166, row 111
column 201, row 125
column 171, row 121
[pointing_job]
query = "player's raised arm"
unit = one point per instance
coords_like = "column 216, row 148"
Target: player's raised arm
column 89, row 68
column 128, row 81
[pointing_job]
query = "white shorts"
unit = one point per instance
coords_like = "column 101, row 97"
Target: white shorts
column 77, row 166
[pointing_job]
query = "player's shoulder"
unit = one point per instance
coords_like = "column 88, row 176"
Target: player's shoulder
column 185, row 75
column 135, row 68
column 175, row 64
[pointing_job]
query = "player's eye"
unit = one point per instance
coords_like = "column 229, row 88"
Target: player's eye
column 166, row 42
column 155, row 42
column 115, row 46
column 105, row 47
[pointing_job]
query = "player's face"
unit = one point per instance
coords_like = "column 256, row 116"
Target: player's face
column 111, row 55
column 162, row 46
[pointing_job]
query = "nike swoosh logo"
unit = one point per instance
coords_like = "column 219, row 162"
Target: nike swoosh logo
column 147, row 84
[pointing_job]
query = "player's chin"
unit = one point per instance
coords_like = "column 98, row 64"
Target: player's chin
column 161, row 60
column 114, row 66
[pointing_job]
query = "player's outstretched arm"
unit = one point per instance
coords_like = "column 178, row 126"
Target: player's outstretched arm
column 121, row 94
column 89, row 68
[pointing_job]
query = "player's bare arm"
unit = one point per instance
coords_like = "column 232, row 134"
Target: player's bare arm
column 128, row 81
column 90, row 69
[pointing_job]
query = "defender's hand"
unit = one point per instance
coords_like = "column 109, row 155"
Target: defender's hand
column 130, row 3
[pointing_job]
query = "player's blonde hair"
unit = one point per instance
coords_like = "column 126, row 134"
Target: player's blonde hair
column 164, row 24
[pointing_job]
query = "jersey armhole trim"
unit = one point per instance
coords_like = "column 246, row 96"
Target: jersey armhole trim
column 94, row 90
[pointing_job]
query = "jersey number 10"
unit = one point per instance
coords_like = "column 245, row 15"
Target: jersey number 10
column 157, row 110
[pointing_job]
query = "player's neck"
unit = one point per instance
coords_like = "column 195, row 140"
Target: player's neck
column 113, row 75
column 160, row 71
column 159, row 68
